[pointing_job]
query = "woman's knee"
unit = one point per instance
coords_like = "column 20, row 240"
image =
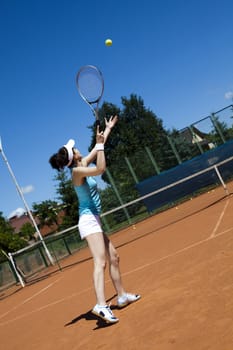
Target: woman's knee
column 100, row 263
column 115, row 259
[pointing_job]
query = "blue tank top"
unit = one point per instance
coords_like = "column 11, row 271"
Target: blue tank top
column 88, row 195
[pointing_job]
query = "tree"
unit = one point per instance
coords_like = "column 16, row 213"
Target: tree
column 220, row 131
column 47, row 212
column 9, row 241
column 67, row 196
column 137, row 128
column 138, row 136
column 183, row 146
column 27, row 231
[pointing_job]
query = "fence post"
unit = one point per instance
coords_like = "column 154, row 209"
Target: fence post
column 118, row 195
column 174, row 150
column 105, row 223
column 215, row 122
column 152, row 160
column 131, row 170
column 196, row 141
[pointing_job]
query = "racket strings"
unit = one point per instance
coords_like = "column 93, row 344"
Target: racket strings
column 90, row 85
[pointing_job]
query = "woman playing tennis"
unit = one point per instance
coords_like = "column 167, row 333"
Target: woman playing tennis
column 89, row 218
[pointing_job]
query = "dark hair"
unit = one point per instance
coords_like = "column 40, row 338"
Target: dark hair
column 60, row 159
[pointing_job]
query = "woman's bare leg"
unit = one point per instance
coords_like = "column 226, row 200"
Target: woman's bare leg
column 97, row 247
column 114, row 268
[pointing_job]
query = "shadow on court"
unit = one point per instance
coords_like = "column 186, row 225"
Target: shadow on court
column 89, row 316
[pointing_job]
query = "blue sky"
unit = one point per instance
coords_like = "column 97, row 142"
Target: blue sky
column 176, row 54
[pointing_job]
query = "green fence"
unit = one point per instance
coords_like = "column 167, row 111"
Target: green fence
column 33, row 259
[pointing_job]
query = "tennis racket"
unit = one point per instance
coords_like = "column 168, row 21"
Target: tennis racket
column 90, row 85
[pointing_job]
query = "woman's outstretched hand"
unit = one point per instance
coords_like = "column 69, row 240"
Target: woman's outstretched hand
column 111, row 122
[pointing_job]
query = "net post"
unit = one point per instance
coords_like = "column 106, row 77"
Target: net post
column 19, row 277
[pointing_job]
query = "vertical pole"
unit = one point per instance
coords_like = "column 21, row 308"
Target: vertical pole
column 174, row 150
column 215, row 122
column 152, row 160
column 26, row 205
column 131, row 170
column 118, row 195
column 105, row 223
column 15, row 270
column 195, row 139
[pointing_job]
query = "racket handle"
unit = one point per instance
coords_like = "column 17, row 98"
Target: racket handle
column 97, row 123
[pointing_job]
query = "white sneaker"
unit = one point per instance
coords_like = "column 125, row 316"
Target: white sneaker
column 126, row 299
column 105, row 313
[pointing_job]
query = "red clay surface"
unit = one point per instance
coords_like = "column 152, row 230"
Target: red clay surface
column 180, row 261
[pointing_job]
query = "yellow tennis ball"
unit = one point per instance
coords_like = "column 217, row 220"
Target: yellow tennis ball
column 108, row 42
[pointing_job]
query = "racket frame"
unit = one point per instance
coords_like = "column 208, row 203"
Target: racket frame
column 94, row 105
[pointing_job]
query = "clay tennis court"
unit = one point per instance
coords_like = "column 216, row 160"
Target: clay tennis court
column 180, row 261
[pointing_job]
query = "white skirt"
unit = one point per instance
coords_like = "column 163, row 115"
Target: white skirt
column 88, row 224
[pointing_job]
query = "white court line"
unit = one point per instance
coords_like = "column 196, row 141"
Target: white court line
column 178, row 252
column 46, row 306
column 220, row 218
column 28, row 299
column 124, row 274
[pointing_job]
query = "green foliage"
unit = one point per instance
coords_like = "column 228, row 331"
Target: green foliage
column 185, row 149
column 138, row 128
column 47, row 212
column 5, row 227
column 27, row 231
column 220, row 131
column 9, row 241
column 67, row 196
